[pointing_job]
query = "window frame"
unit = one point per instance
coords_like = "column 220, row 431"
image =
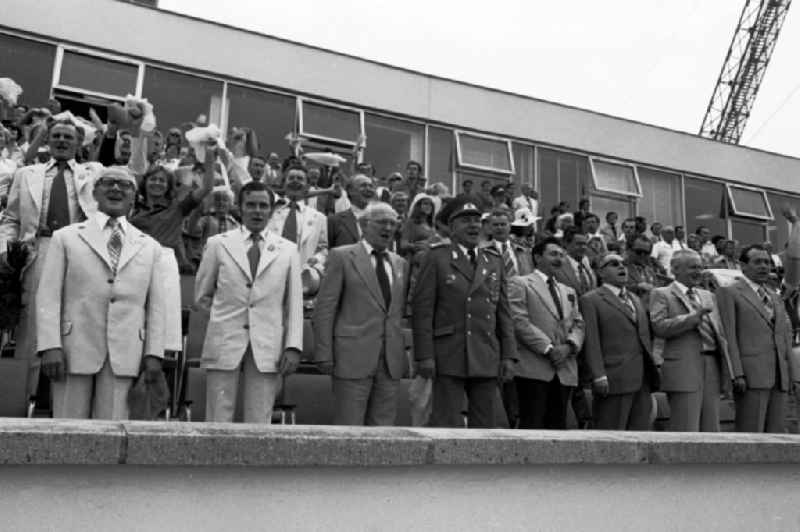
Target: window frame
column 59, row 61
column 468, row 166
column 636, row 182
column 301, row 100
column 734, row 212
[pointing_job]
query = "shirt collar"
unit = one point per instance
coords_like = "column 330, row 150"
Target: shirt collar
column 246, row 232
column 614, row 289
column 682, row 287
column 752, row 285
column 52, row 162
column 102, row 220
column 465, row 250
column 541, row 274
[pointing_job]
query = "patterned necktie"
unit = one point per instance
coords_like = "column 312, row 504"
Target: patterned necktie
column 586, row 280
column 254, row 254
column 551, row 286
column 767, row 301
column 290, row 225
column 58, row 208
column 508, row 261
column 627, row 303
column 114, row 244
column 383, row 277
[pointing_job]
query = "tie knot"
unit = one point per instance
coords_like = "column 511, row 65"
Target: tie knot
column 623, row 294
column 551, row 280
column 255, row 237
column 380, row 254
column 293, row 205
column 112, row 222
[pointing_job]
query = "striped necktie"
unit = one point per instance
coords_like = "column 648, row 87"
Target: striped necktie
column 114, row 244
column 767, row 301
column 508, row 261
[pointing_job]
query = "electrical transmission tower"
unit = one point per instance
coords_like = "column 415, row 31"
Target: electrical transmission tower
column 743, row 70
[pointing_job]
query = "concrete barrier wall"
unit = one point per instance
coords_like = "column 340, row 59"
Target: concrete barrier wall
column 183, row 476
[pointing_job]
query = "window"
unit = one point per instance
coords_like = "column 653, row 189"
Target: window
column 98, row 74
column 180, row 98
column 391, row 143
column 270, row 115
column 749, row 202
column 614, row 177
column 661, row 197
column 342, row 125
column 705, row 205
column 30, row 64
column 524, row 163
column 779, row 228
column 440, row 156
column 562, row 177
column 748, row 232
column 481, row 152
column 602, row 205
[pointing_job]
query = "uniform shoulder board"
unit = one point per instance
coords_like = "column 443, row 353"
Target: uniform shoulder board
column 491, row 250
column 440, row 244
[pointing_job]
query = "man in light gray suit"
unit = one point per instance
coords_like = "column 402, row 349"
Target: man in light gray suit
column 759, row 340
column 549, row 331
column 695, row 364
column 357, row 322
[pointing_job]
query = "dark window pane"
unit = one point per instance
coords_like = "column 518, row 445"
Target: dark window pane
column 488, row 153
column 563, row 177
column 524, row 161
column 392, row 143
column 30, row 64
column 331, row 122
column 270, row 115
column 661, row 197
column 180, row 98
column 748, row 202
column 98, row 74
column 704, row 205
column 748, row 232
column 440, row 152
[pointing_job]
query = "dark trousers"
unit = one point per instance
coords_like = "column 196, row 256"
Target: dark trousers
column 448, row 401
column 542, row 405
column 625, row 411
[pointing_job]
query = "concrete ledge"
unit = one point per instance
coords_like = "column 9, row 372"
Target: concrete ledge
column 44, row 442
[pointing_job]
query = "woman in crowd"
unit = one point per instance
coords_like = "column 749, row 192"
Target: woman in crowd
column 419, row 227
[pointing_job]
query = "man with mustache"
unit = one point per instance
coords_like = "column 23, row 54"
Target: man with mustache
column 343, row 227
column 303, row 225
column 549, row 331
column 43, row 198
column 463, row 332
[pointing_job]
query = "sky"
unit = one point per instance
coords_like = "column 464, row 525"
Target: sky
column 654, row 61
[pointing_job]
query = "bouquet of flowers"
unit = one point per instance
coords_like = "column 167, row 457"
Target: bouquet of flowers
column 9, row 91
column 11, row 284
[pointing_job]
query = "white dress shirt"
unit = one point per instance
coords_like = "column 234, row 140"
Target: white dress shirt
column 387, row 264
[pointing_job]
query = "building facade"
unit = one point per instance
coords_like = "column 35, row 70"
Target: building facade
column 92, row 52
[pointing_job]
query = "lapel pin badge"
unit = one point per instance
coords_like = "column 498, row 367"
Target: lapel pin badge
column 271, row 247
column 455, row 255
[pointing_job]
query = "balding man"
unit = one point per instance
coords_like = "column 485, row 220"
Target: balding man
column 357, row 322
column 696, row 364
column 343, row 227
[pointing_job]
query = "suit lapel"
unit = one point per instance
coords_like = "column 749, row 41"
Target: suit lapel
column 480, row 270
column 36, row 187
column 93, row 236
column 617, row 303
column 363, row 265
column 753, row 299
column 680, row 296
column 234, row 245
column 133, row 242
column 269, row 253
column 540, row 288
column 460, row 262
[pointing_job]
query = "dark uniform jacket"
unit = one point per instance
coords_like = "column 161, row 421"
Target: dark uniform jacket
column 461, row 317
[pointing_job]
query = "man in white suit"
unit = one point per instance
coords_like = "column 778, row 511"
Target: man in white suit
column 303, row 225
column 250, row 280
column 100, row 306
column 550, row 331
column 357, row 322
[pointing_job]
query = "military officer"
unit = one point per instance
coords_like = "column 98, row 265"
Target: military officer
column 463, row 331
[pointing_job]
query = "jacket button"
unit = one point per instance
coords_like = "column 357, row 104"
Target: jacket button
column 469, row 333
column 112, row 300
column 249, row 285
column 246, row 326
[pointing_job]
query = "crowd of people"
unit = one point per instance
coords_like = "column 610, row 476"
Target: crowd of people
column 515, row 318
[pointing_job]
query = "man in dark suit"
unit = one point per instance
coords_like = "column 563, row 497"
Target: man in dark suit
column 617, row 351
column 343, row 228
column 575, row 271
column 549, row 332
column 759, row 340
column 696, row 366
column 358, row 334
column 463, row 333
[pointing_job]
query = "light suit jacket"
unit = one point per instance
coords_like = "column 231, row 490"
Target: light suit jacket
column 681, row 345
column 82, row 308
column 312, row 242
column 758, row 345
column 265, row 312
column 351, row 322
column 537, row 325
column 20, row 221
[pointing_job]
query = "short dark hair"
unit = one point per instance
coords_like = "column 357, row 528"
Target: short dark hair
column 540, row 246
column 500, row 212
column 643, row 239
column 411, row 163
column 629, row 220
column 591, row 215
column 570, row 233
column 699, row 228
column 743, row 256
column 259, row 156
column 255, row 186
column 466, row 181
column 641, row 219
column 609, row 213
column 716, row 238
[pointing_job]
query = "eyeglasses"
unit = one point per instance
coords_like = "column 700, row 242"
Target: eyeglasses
column 122, row 184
